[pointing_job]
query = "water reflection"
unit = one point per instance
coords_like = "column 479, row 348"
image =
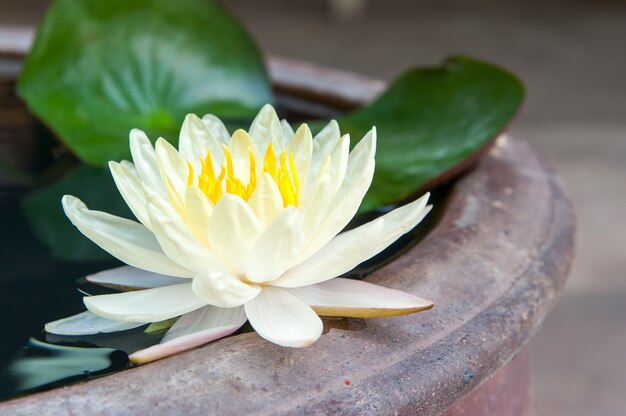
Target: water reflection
column 39, row 364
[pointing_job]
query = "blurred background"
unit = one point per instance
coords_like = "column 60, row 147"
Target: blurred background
column 572, row 57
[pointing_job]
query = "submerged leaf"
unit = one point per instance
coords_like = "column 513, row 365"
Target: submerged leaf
column 45, row 214
column 99, row 68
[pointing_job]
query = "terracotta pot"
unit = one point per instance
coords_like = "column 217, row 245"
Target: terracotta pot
column 493, row 263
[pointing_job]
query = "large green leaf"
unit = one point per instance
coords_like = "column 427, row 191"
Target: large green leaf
column 430, row 121
column 45, row 214
column 99, row 68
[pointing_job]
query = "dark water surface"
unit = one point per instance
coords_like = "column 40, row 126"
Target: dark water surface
column 35, row 289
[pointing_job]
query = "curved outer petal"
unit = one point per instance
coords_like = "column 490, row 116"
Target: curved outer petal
column 87, row 323
column 192, row 330
column 216, row 127
column 174, row 172
column 402, row 220
column 358, row 299
column 266, row 200
column 317, row 205
column 339, row 162
column 233, row 231
column 323, row 143
column 124, row 239
column 350, row 248
column 195, row 138
column 145, row 160
column 317, row 191
column 131, row 278
column 266, row 128
column 199, row 212
column 129, row 185
column 347, row 200
column 150, row 305
column 339, row 256
column 223, row 290
column 283, row 318
column 277, row 248
column 177, row 240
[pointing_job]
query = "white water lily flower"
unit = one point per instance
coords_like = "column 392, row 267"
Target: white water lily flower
column 240, row 228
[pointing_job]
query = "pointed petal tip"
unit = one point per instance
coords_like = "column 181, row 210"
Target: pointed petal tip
column 267, row 107
column 137, row 135
column 240, row 132
column 72, row 205
column 359, row 299
column 181, row 344
column 192, row 117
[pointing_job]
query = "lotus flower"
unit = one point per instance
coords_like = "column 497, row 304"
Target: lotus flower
column 240, row 228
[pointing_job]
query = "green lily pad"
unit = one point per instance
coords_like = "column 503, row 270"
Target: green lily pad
column 99, row 68
column 431, row 121
column 45, row 214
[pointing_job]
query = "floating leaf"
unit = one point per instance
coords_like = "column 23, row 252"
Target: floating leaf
column 99, row 68
column 432, row 121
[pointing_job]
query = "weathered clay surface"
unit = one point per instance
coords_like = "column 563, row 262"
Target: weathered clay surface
column 493, row 265
column 507, row 392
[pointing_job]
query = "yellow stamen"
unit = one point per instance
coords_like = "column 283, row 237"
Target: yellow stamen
column 282, row 169
column 190, row 175
column 269, row 164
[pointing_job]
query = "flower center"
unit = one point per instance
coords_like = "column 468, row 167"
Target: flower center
column 281, row 169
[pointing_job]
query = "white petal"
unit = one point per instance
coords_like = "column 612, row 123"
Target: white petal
column 145, row 160
column 196, row 138
column 266, row 128
column 129, row 185
column 287, row 130
column 131, row 278
column 323, row 143
column 223, row 290
column 316, row 203
column 339, row 161
column 174, row 171
column 345, row 204
column 340, row 255
column 87, row 323
column 217, row 128
column 233, row 231
column 199, row 212
column 239, row 146
column 402, row 220
column 193, row 330
column 277, row 248
column 358, row 299
column 357, row 171
column 266, row 200
column 150, row 305
column 337, row 170
column 126, row 240
column 301, row 146
column 282, row 318
column 177, row 240
column 350, row 248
